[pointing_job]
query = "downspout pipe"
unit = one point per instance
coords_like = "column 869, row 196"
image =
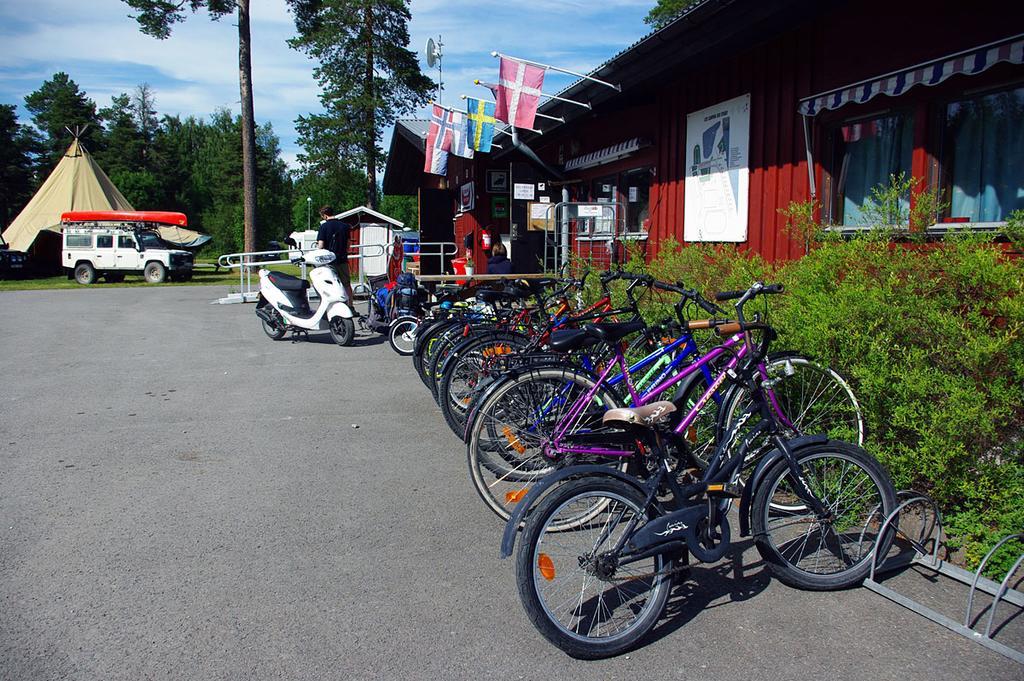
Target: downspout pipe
column 529, row 153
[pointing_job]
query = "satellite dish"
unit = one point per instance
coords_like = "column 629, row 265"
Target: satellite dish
column 433, row 52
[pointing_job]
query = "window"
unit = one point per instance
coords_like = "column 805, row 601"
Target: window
column 125, row 241
column 982, row 152
column 604, row 190
column 79, row 240
column 104, row 241
column 150, row 240
column 637, row 185
column 865, row 154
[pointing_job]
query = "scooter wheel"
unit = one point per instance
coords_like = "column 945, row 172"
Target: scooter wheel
column 275, row 332
column 343, row 330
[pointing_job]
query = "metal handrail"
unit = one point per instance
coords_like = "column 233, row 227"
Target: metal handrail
column 444, row 249
column 247, row 261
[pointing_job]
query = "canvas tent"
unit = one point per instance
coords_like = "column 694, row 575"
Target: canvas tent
column 77, row 183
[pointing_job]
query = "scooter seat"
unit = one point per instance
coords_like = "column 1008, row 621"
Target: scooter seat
column 287, row 282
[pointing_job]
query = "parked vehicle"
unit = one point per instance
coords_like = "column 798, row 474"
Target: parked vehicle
column 115, row 244
column 283, row 304
column 13, row 264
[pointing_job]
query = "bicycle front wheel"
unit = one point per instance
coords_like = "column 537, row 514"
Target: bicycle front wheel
column 815, row 399
column 834, row 552
column 509, row 444
column 571, row 584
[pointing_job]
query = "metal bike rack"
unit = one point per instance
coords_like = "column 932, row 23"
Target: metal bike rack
column 921, row 555
column 248, row 262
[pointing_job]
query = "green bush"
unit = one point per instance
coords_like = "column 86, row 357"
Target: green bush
column 931, row 339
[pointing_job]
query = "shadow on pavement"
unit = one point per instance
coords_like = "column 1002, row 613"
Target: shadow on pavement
column 706, row 585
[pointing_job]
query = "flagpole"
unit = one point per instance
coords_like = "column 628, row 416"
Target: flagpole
column 490, row 86
column 539, row 114
column 555, row 68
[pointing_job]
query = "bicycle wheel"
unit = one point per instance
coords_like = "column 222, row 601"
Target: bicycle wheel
column 443, row 349
column 570, row 583
column 514, row 426
column 813, row 553
column 814, row 397
column 426, row 338
column 467, row 369
column 402, row 335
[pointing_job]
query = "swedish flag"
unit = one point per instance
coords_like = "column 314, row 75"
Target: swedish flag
column 481, row 123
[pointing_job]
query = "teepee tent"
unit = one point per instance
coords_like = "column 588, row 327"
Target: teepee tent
column 77, row 183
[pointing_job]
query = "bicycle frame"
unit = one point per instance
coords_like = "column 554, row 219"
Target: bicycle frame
column 558, row 448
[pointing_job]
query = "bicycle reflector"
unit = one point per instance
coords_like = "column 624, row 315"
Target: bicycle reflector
column 513, row 440
column 516, row 496
column 546, row 566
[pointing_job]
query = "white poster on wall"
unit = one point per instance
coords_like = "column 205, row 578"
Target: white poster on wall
column 717, row 172
column 523, row 191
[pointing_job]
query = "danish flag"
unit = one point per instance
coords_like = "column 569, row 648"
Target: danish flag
column 518, row 92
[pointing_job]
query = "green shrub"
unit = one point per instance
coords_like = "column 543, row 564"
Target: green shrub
column 931, row 339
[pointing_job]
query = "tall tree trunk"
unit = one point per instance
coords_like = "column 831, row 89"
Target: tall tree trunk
column 371, row 107
column 248, row 126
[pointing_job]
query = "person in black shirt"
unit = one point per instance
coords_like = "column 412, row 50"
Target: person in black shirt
column 333, row 235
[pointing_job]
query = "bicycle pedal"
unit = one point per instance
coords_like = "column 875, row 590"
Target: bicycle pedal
column 732, row 490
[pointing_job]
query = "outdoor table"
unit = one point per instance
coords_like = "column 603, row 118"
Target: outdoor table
column 446, row 278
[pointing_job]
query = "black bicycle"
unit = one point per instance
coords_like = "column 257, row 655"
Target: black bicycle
column 814, row 507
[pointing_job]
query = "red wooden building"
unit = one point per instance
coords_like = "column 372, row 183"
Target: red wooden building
column 722, row 112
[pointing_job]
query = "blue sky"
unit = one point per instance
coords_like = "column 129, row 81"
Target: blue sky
column 195, row 71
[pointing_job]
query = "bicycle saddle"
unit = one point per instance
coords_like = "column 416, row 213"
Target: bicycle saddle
column 567, row 340
column 646, row 416
column 488, row 295
column 612, row 332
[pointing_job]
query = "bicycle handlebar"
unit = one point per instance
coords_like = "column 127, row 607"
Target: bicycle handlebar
column 753, row 291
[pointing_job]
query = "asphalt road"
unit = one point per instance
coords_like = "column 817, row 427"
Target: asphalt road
column 182, row 498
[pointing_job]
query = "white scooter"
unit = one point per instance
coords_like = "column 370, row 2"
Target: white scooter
column 283, row 304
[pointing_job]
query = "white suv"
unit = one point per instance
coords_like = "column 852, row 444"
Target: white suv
column 111, row 253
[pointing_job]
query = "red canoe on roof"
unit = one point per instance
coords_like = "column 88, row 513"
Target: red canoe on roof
column 159, row 216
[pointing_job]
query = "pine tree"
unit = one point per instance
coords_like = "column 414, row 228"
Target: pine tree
column 367, row 78
column 156, row 17
column 16, row 176
column 57, row 106
column 665, row 11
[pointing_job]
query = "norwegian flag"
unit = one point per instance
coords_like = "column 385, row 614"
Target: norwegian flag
column 439, row 141
column 518, row 92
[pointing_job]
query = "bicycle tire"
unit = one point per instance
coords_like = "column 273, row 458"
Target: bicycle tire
column 443, row 349
column 859, row 495
column 425, row 338
column 465, row 369
column 552, row 569
column 505, row 451
column 402, row 333
column 829, row 407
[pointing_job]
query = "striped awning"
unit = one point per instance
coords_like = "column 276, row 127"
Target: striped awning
column 607, row 155
column 968, row 62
